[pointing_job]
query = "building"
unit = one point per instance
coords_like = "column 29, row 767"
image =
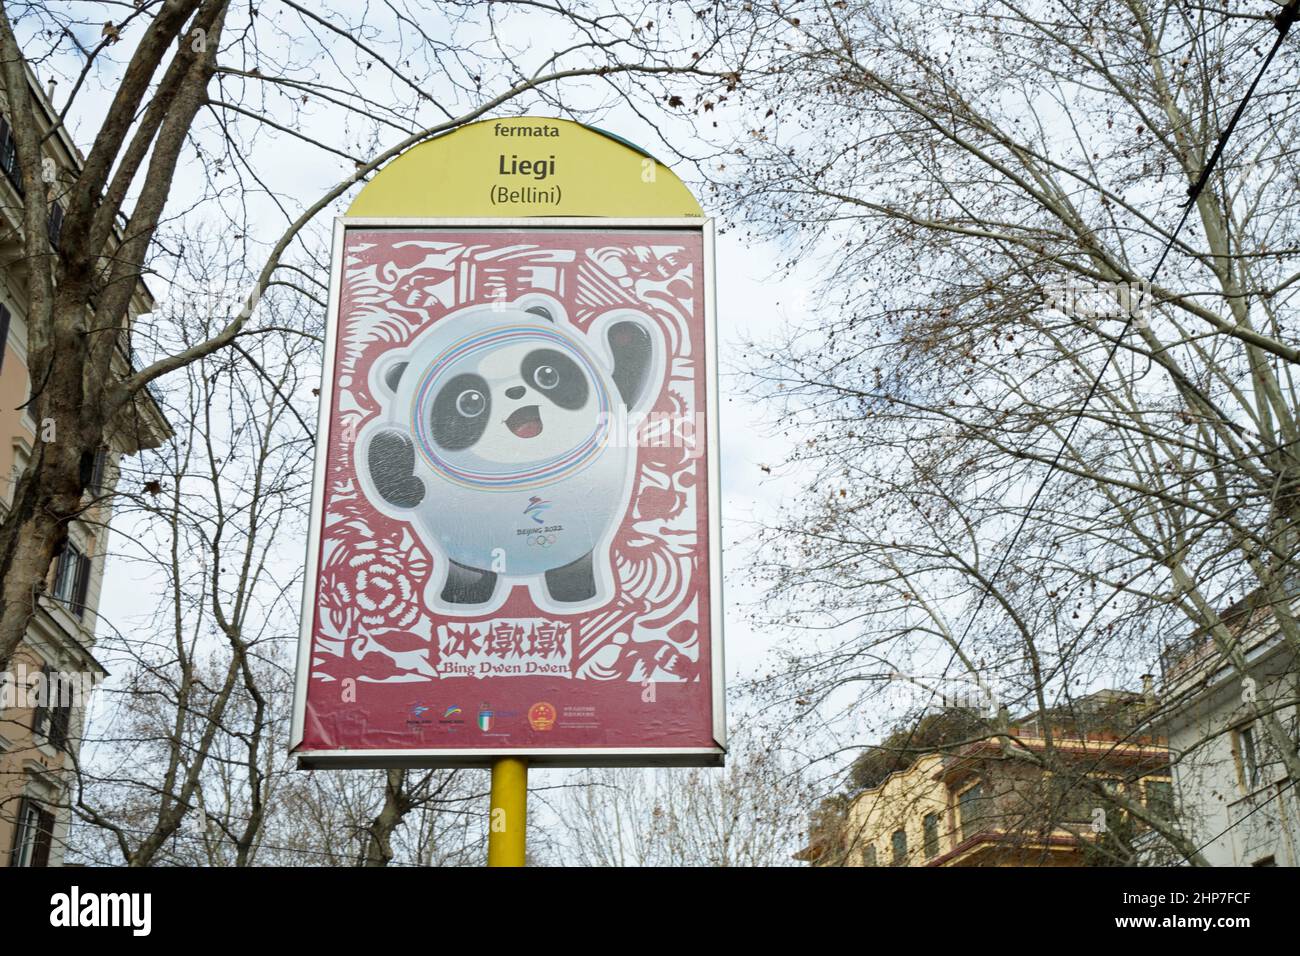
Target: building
column 41, row 698
column 980, row 804
column 1235, row 794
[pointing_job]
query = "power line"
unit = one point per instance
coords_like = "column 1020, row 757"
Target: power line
column 1285, row 18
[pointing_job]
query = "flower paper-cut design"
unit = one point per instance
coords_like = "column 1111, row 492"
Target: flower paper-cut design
column 378, row 581
column 384, row 593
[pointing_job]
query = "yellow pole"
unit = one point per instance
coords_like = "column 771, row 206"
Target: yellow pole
column 509, row 818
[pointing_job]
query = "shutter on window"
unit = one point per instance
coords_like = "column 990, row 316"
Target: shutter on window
column 41, row 715
column 4, row 332
column 83, row 585
column 20, row 835
column 44, row 838
column 60, row 715
column 9, row 155
column 97, row 472
column 55, row 223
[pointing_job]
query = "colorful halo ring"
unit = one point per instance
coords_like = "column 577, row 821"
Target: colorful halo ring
column 537, row 474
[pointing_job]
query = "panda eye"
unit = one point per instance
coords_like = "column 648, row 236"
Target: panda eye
column 546, row 377
column 471, row 403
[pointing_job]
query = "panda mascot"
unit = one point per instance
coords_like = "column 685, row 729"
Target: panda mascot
column 503, row 439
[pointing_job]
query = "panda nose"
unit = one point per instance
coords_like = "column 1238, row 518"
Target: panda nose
column 516, row 392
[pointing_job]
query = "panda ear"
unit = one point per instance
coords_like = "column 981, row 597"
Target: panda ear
column 393, row 375
column 388, row 375
column 633, row 349
column 542, row 305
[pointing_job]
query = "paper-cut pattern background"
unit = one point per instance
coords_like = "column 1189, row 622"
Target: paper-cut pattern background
column 386, row 671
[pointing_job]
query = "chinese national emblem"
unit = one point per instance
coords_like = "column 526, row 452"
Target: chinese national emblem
column 541, row 716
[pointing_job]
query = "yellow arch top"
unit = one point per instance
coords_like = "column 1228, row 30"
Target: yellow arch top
column 525, row 166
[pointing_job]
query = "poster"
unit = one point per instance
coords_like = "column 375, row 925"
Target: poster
column 514, row 540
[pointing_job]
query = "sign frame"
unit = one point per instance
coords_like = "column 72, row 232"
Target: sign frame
column 572, row 757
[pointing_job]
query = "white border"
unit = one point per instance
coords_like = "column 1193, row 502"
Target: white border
column 473, row 757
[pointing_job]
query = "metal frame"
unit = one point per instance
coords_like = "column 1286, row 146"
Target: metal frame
column 548, row 757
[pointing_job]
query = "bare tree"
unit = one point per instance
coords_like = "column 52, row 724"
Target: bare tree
column 748, row 814
column 377, row 818
column 1026, row 464
column 195, row 726
column 428, row 792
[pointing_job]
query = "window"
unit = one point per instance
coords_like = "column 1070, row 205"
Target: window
column 72, row 578
column 65, row 572
column 4, row 331
column 55, row 223
column 96, row 485
column 1160, row 797
column 9, row 155
column 33, row 836
column 22, row 457
column 53, row 716
column 931, row 827
column 869, row 856
column 898, row 844
column 1248, row 759
column 972, row 808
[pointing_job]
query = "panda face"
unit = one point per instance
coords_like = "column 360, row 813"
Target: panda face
column 519, row 403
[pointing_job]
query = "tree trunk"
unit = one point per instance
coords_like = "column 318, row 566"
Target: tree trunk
column 397, row 803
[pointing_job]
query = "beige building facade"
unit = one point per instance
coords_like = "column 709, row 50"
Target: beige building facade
column 43, row 692
column 983, row 804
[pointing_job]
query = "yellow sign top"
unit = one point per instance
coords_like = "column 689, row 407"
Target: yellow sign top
column 525, row 166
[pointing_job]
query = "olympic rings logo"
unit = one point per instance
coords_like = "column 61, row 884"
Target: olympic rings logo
column 541, row 540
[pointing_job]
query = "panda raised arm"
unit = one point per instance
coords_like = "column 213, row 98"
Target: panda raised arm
column 634, row 360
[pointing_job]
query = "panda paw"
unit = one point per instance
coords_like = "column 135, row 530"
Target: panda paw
column 392, row 469
column 573, row 582
column 466, row 585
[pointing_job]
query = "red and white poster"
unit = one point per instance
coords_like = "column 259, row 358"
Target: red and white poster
column 513, row 545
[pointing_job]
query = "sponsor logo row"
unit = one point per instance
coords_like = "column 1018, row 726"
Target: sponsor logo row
column 542, row 716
